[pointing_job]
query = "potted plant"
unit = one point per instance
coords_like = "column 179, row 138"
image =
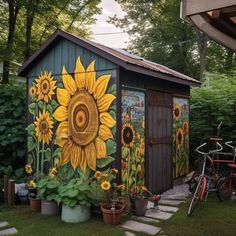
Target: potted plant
column 48, row 193
column 35, row 203
column 75, row 197
column 112, row 209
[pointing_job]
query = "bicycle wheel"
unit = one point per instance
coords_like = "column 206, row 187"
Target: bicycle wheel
column 198, row 194
column 225, row 188
column 192, row 184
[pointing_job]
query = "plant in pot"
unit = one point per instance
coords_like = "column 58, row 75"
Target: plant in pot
column 139, row 198
column 112, row 209
column 75, row 197
column 48, row 193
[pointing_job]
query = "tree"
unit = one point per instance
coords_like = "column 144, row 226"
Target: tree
column 30, row 22
column 159, row 34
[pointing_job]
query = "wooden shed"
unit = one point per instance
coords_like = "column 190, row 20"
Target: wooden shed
column 92, row 106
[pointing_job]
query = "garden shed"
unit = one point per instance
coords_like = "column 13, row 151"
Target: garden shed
column 92, row 106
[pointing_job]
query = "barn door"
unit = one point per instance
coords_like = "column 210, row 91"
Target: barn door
column 160, row 110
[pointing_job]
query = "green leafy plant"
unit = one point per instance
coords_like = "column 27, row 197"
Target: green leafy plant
column 48, row 188
column 76, row 192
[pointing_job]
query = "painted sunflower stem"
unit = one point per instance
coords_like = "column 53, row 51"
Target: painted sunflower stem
column 37, row 156
column 42, row 158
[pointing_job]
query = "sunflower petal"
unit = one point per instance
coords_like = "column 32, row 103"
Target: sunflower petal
column 107, row 119
column 75, row 156
column 63, row 97
column 61, row 113
column 83, row 163
column 66, row 153
column 91, row 78
column 68, row 82
column 101, row 148
column 62, row 130
column 101, row 86
column 105, row 133
column 90, row 155
column 79, row 74
column 61, row 141
column 105, row 102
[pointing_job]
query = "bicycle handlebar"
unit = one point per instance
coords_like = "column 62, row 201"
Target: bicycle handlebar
column 211, row 151
column 228, row 144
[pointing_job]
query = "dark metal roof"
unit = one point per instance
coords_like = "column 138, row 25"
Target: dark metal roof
column 121, row 58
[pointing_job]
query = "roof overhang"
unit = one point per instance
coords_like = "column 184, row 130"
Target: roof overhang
column 216, row 18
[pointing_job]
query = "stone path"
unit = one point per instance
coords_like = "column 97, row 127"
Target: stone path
column 164, row 211
column 5, row 229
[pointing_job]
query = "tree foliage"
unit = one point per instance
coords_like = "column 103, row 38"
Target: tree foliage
column 158, row 33
column 12, row 125
column 211, row 104
column 32, row 21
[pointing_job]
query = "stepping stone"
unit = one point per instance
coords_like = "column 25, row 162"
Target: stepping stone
column 127, row 233
column 144, row 219
column 141, row 227
column 168, row 208
column 9, row 231
column 179, row 196
column 3, row 224
column 157, row 214
column 170, row 202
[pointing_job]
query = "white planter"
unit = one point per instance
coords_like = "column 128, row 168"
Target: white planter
column 76, row 214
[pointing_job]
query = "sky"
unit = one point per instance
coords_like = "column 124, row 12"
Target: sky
column 109, row 8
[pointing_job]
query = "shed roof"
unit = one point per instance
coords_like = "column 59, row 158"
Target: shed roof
column 123, row 59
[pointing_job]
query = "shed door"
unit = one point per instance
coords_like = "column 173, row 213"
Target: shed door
column 159, row 173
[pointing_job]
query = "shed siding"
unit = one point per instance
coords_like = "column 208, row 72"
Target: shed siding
column 66, row 53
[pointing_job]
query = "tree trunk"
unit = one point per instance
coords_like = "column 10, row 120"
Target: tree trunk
column 202, row 49
column 13, row 12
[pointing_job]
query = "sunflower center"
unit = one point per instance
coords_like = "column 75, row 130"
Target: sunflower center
column 176, row 111
column 83, row 118
column 44, row 127
column 128, row 135
column 45, row 86
column 179, row 138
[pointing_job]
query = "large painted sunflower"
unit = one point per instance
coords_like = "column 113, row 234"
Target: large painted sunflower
column 85, row 123
column 43, row 127
column 177, row 112
column 45, row 86
column 179, row 137
column 128, row 135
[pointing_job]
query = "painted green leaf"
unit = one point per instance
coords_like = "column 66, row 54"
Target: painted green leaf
column 56, row 153
column 111, row 146
column 40, row 104
column 101, row 163
column 49, row 109
column 31, row 144
column 113, row 130
column 30, row 159
column 113, row 114
column 54, row 104
column 48, row 154
column 113, row 108
column 31, row 129
column 112, row 90
column 32, row 109
column 133, row 167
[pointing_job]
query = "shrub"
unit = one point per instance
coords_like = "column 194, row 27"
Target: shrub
column 12, row 125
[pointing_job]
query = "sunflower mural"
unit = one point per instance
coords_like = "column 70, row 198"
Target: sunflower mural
column 85, row 121
column 40, row 129
column 133, row 139
column 73, row 120
column 180, row 137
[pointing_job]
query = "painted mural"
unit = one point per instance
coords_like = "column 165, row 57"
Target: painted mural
column 180, row 137
column 73, row 119
column 133, row 139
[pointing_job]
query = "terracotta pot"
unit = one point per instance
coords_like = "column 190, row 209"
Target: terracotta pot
column 139, row 206
column 35, row 204
column 49, row 208
column 112, row 217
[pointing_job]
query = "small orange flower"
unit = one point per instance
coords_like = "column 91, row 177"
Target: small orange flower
column 105, row 185
column 28, row 169
column 98, row 175
column 33, row 91
column 185, row 127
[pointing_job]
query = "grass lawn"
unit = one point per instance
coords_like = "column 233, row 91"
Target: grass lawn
column 211, row 218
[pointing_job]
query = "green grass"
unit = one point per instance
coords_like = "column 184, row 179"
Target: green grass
column 211, row 218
